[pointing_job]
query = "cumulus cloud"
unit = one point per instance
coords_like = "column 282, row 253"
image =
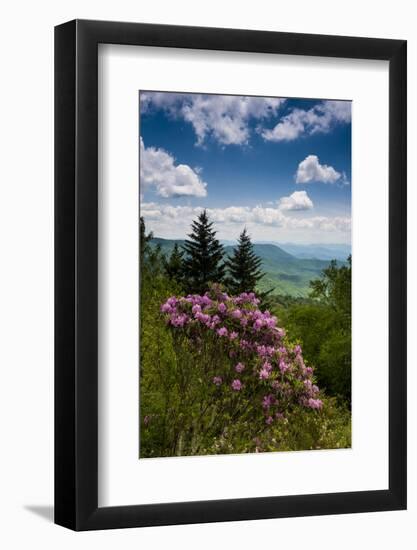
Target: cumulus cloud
column 159, row 170
column 225, row 118
column 242, row 215
column 310, row 170
column 319, row 119
column 299, row 200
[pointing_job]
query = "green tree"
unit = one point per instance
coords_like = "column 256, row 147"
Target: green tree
column 334, row 289
column 144, row 239
column 323, row 326
column 174, row 265
column 203, row 263
column 243, row 267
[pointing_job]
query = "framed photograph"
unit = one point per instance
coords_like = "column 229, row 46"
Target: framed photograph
column 230, row 252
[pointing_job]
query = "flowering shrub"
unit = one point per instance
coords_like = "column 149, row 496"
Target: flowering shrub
column 260, row 360
column 233, row 370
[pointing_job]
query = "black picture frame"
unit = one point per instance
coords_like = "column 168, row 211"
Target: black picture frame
column 76, row 272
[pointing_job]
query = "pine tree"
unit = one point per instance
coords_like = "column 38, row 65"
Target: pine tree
column 150, row 257
column 144, row 238
column 243, row 266
column 174, row 266
column 203, row 262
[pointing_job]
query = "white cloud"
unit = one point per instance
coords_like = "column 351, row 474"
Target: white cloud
column 319, row 119
column 158, row 170
column 166, row 219
column 223, row 117
column 299, row 200
column 310, row 170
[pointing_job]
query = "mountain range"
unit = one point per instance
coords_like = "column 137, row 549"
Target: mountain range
column 286, row 273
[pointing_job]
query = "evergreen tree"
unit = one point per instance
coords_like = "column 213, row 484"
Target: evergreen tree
column 203, row 256
column 243, row 266
column 150, row 257
column 144, row 238
column 174, row 266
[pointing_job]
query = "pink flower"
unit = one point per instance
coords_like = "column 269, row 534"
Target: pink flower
column 205, row 300
column 166, row 308
column 263, row 374
column 196, row 309
column 236, row 314
column 179, row 320
column 258, row 344
column 257, row 325
column 268, row 400
column 172, row 301
column 222, row 331
column 203, row 318
column 222, row 307
column 240, row 367
column 315, row 403
column 283, row 367
column 267, row 366
column 308, row 384
column 297, row 349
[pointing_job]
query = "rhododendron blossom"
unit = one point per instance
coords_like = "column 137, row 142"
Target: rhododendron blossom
column 236, row 385
column 264, row 374
column 247, row 341
column 240, row 367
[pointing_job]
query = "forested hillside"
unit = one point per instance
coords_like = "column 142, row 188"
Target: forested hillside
column 284, row 273
column 229, row 364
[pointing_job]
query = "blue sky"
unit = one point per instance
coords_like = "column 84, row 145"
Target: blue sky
column 280, row 167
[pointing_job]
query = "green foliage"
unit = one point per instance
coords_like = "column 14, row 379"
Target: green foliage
column 329, row 428
column 203, row 262
column 183, row 415
column 174, row 266
column 243, row 267
column 144, row 239
column 157, row 355
column 335, row 364
column 323, row 326
column 334, row 289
